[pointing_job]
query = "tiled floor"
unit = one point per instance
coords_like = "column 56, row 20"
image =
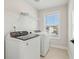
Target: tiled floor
column 55, row 53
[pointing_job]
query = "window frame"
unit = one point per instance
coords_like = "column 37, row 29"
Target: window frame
column 51, row 35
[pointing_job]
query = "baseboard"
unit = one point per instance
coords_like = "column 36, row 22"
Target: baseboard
column 60, row 47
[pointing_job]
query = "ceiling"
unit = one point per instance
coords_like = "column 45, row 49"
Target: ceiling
column 42, row 4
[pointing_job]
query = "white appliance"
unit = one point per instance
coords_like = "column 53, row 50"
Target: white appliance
column 19, row 49
column 44, row 45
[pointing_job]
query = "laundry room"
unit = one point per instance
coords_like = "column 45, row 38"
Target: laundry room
column 38, row 29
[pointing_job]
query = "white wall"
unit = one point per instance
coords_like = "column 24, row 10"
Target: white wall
column 12, row 14
column 63, row 40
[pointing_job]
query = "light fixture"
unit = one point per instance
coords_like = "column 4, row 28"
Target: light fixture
column 24, row 14
column 37, row 0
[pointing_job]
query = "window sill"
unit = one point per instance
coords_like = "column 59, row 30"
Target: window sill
column 51, row 36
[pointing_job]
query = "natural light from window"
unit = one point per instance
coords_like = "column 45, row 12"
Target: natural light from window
column 52, row 22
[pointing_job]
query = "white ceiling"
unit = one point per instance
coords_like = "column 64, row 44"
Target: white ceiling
column 46, row 3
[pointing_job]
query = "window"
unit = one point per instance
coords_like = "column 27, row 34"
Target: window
column 52, row 23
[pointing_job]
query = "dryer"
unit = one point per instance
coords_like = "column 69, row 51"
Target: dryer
column 44, row 45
